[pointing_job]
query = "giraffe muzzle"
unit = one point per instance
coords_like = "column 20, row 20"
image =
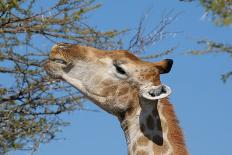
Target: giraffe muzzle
column 156, row 92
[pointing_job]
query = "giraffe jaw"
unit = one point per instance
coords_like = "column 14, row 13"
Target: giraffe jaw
column 156, row 92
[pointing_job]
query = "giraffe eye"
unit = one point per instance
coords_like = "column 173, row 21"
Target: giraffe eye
column 119, row 69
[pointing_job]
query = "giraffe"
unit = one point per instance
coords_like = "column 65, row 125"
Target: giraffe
column 126, row 87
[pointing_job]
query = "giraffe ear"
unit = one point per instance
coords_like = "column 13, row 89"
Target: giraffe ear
column 156, row 92
column 164, row 66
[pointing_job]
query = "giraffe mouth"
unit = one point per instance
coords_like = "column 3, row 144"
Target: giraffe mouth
column 58, row 61
column 156, row 92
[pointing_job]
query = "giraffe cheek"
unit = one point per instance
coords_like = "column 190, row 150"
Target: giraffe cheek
column 108, row 90
column 123, row 91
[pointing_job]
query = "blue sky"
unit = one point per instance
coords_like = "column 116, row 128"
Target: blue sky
column 202, row 101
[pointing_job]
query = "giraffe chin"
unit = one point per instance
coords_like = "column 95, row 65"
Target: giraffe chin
column 156, row 92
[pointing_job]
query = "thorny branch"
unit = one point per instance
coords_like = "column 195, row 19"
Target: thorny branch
column 142, row 40
column 215, row 47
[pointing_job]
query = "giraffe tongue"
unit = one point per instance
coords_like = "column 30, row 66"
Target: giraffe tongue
column 156, row 92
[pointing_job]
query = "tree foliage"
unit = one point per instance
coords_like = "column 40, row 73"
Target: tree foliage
column 28, row 108
column 221, row 14
column 215, row 47
column 221, row 10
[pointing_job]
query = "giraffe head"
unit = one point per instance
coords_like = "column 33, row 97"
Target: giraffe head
column 111, row 79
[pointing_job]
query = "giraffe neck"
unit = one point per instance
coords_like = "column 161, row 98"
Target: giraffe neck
column 152, row 129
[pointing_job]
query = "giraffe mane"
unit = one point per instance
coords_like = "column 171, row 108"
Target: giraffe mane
column 176, row 134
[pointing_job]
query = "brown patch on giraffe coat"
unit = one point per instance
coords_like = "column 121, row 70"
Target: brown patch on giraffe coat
column 150, row 122
column 109, row 90
column 148, row 76
column 156, row 80
column 165, row 147
column 157, row 149
column 130, row 56
column 142, row 152
column 122, row 91
column 106, row 82
column 112, row 88
column 142, row 141
column 122, row 99
column 119, row 54
column 73, row 51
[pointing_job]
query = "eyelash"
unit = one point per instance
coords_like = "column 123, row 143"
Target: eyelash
column 119, row 69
